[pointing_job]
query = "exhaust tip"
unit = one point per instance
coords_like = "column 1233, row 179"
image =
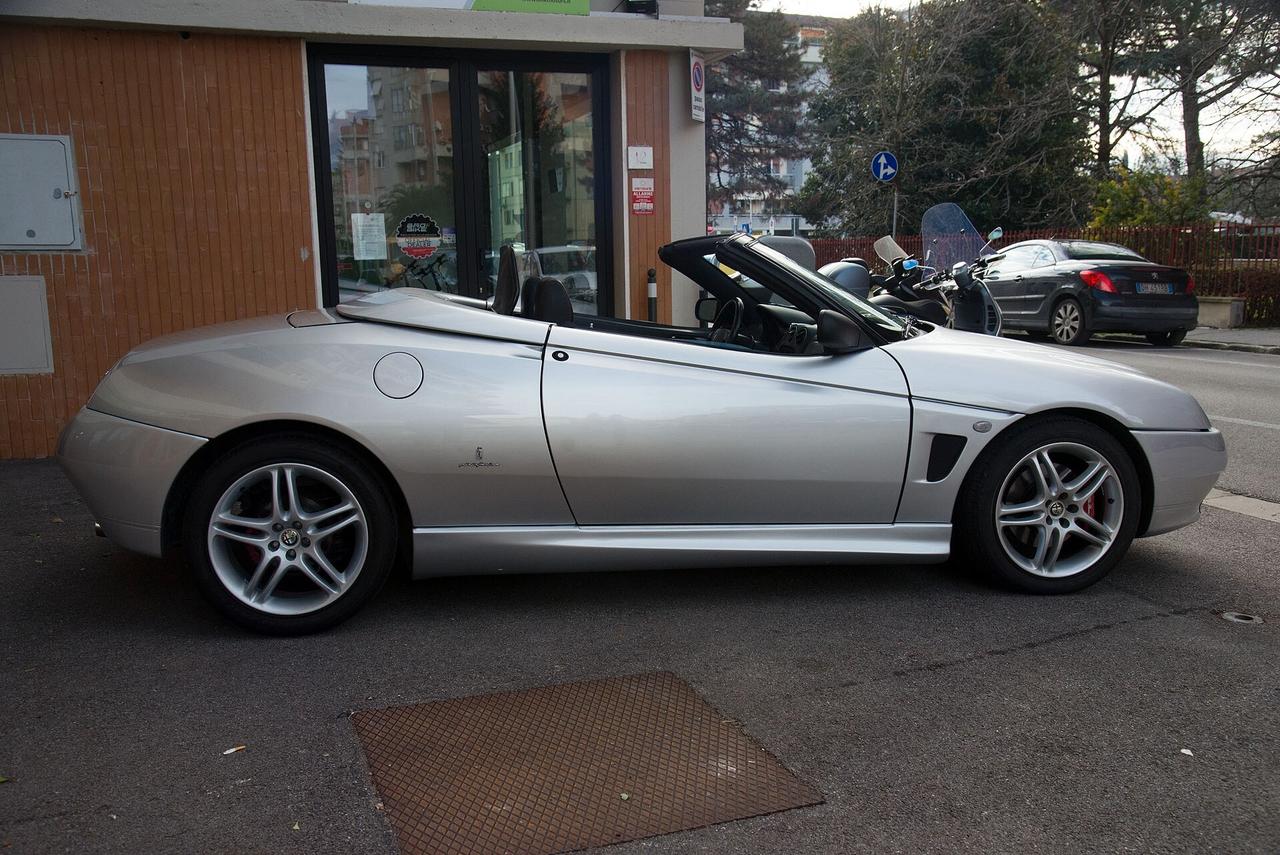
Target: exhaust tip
column 97, row 530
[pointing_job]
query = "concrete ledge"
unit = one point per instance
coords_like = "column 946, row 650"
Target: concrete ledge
column 321, row 20
column 1221, row 312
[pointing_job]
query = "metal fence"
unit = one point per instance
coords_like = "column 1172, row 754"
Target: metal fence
column 1226, row 260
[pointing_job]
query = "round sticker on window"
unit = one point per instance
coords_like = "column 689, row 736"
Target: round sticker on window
column 418, row 236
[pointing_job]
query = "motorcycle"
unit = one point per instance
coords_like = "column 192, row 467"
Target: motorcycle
column 954, row 294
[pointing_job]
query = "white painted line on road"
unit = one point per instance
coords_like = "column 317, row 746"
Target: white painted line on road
column 1249, row 422
column 1160, row 354
column 1246, row 505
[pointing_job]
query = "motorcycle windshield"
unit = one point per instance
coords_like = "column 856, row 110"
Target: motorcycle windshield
column 948, row 237
column 888, row 250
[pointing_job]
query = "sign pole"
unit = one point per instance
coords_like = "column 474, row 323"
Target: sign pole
column 893, row 226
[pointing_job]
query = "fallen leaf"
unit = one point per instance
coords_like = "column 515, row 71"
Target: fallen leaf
column 297, row 827
column 4, row 780
column 233, row 750
column 1187, row 751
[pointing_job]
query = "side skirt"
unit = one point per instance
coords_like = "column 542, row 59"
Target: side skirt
column 564, row 549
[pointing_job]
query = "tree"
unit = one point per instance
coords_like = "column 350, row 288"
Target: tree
column 1206, row 52
column 755, row 105
column 1148, row 197
column 1116, row 98
column 974, row 116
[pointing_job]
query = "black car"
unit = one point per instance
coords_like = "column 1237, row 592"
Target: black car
column 1070, row 289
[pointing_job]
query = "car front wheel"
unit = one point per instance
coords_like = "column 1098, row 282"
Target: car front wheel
column 1067, row 323
column 1051, row 508
column 288, row 535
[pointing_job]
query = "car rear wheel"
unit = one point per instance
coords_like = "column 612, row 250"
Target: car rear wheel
column 1051, row 508
column 1067, row 323
column 288, row 535
column 1167, row 339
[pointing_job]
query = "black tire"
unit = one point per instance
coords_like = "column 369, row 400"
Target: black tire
column 976, row 540
column 368, row 490
column 1167, row 339
column 1067, row 323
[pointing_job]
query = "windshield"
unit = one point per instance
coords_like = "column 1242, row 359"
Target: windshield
column 948, row 237
column 1091, row 249
column 861, row 308
column 888, row 250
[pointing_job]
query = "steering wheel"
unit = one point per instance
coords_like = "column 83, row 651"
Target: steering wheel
column 728, row 321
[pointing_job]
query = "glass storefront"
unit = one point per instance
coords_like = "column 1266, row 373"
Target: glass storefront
column 432, row 170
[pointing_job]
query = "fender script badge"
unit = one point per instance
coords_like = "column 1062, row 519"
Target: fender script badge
column 479, row 462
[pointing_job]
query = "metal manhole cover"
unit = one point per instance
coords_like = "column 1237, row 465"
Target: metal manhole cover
column 567, row 767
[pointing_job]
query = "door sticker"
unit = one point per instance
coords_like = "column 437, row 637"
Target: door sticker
column 418, row 236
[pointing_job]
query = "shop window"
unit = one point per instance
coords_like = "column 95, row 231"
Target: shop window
column 472, row 155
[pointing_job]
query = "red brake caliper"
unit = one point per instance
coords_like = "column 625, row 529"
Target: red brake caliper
column 1090, row 506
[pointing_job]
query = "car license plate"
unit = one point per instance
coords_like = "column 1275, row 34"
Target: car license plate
column 1155, row 287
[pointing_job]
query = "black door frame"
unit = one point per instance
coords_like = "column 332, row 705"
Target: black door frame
column 464, row 100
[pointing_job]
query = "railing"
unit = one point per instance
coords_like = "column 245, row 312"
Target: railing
column 1226, row 260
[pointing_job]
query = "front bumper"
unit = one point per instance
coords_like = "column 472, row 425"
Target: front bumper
column 1184, row 467
column 124, row 470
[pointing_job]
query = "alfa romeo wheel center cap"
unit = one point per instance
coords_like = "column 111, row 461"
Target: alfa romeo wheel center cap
column 289, row 537
column 1056, row 509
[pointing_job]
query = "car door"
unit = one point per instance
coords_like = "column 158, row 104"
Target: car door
column 1004, row 280
column 1040, row 279
column 649, row 431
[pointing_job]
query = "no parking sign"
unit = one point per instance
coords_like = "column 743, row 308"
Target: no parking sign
column 698, row 86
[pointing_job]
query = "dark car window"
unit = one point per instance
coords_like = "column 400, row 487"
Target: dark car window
column 1016, row 258
column 1089, row 250
column 1042, row 257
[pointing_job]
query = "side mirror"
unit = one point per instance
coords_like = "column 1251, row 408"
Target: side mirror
column 839, row 333
column 706, row 309
column 996, row 234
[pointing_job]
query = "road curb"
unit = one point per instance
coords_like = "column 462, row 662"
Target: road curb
column 1269, row 349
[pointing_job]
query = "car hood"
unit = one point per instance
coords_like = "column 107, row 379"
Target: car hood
column 1021, row 377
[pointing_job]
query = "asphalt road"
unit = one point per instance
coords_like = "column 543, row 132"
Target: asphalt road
column 936, row 714
column 1239, row 391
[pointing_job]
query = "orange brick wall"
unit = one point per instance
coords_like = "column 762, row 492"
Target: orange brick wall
column 193, row 181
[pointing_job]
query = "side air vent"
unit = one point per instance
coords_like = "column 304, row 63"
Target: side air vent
column 943, row 455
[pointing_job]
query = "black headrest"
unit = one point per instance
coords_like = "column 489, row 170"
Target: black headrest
column 507, row 288
column 551, row 303
column 850, row 276
column 527, row 293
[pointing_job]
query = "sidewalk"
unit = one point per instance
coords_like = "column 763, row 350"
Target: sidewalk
column 1249, row 340
column 1253, row 340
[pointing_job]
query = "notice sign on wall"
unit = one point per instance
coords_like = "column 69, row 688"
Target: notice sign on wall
column 698, row 86
column 369, row 237
column 642, row 195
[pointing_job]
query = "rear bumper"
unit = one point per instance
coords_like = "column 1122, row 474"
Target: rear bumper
column 1124, row 313
column 1184, row 467
column 124, row 470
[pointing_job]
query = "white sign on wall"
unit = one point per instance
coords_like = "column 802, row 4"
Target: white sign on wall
column 698, row 86
column 639, row 157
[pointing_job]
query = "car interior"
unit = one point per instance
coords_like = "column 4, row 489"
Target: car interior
column 750, row 309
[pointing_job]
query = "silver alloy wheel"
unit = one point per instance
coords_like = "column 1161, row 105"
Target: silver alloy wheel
column 287, row 539
column 1066, row 321
column 1060, row 509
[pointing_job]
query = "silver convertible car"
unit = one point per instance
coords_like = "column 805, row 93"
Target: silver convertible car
column 293, row 460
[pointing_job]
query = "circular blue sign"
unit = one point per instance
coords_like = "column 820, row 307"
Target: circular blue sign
column 884, row 166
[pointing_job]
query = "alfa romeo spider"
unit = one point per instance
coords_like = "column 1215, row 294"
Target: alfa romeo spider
column 294, row 461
